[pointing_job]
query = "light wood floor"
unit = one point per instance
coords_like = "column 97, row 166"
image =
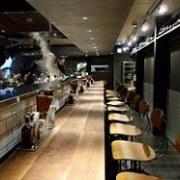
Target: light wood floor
column 73, row 151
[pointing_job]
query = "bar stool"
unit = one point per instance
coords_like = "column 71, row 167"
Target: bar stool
column 135, row 102
column 121, row 130
column 113, row 98
column 115, row 117
column 135, row 152
column 135, row 176
column 111, row 94
column 116, row 103
column 156, row 121
column 177, row 145
column 108, row 96
column 121, row 109
column 143, row 110
column 110, row 91
column 119, row 117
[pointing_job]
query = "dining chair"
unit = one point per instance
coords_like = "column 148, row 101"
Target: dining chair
column 177, row 145
column 143, row 110
column 135, row 102
column 157, row 122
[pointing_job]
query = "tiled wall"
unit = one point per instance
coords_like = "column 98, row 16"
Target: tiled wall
column 11, row 121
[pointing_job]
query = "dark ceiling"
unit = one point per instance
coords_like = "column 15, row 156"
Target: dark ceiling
column 18, row 19
column 61, row 23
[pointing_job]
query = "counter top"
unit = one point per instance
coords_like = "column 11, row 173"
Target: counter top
column 11, row 95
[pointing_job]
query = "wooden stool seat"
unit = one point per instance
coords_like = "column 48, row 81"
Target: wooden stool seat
column 115, row 103
column 135, row 176
column 113, row 98
column 111, row 95
column 110, row 91
column 121, row 109
column 119, row 117
column 124, row 129
column 135, row 151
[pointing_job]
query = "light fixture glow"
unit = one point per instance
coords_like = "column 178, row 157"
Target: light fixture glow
column 125, row 49
column 84, row 18
column 134, row 39
column 97, row 53
column 92, row 38
column 162, row 9
column 129, row 43
column 144, row 27
column 119, row 50
column 89, row 30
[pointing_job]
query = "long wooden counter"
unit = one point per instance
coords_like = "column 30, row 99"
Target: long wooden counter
column 74, row 149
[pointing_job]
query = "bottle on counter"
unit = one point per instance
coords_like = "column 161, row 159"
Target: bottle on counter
column 28, row 133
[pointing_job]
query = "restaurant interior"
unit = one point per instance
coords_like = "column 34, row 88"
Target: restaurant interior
column 89, row 90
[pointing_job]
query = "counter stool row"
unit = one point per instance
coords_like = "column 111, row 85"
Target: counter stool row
column 126, row 152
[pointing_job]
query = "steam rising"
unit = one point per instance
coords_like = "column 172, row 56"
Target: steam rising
column 48, row 56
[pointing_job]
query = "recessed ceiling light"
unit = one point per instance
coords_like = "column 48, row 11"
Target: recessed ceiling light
column 91, row 38
column 162, row 9
column 84, row 18
column 119, row 50
column 97, row 53
column 129, row 43
column 89, row 30
column 55, row 34
column 3, row 31
column 119, row 43
column 95, row 47
column 134, row 38
column 144, row 27
column 125, row 49
column 86, row 55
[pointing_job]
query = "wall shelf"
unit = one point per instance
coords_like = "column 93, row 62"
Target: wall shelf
column 157, row 38
column 128, row 71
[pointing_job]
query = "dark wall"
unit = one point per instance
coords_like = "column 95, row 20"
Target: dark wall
column 99, row 75
column 117, row 65
column 175, row 71
column 2, row 55
column 149, row 70
column 71, row 63
column 67, row 50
